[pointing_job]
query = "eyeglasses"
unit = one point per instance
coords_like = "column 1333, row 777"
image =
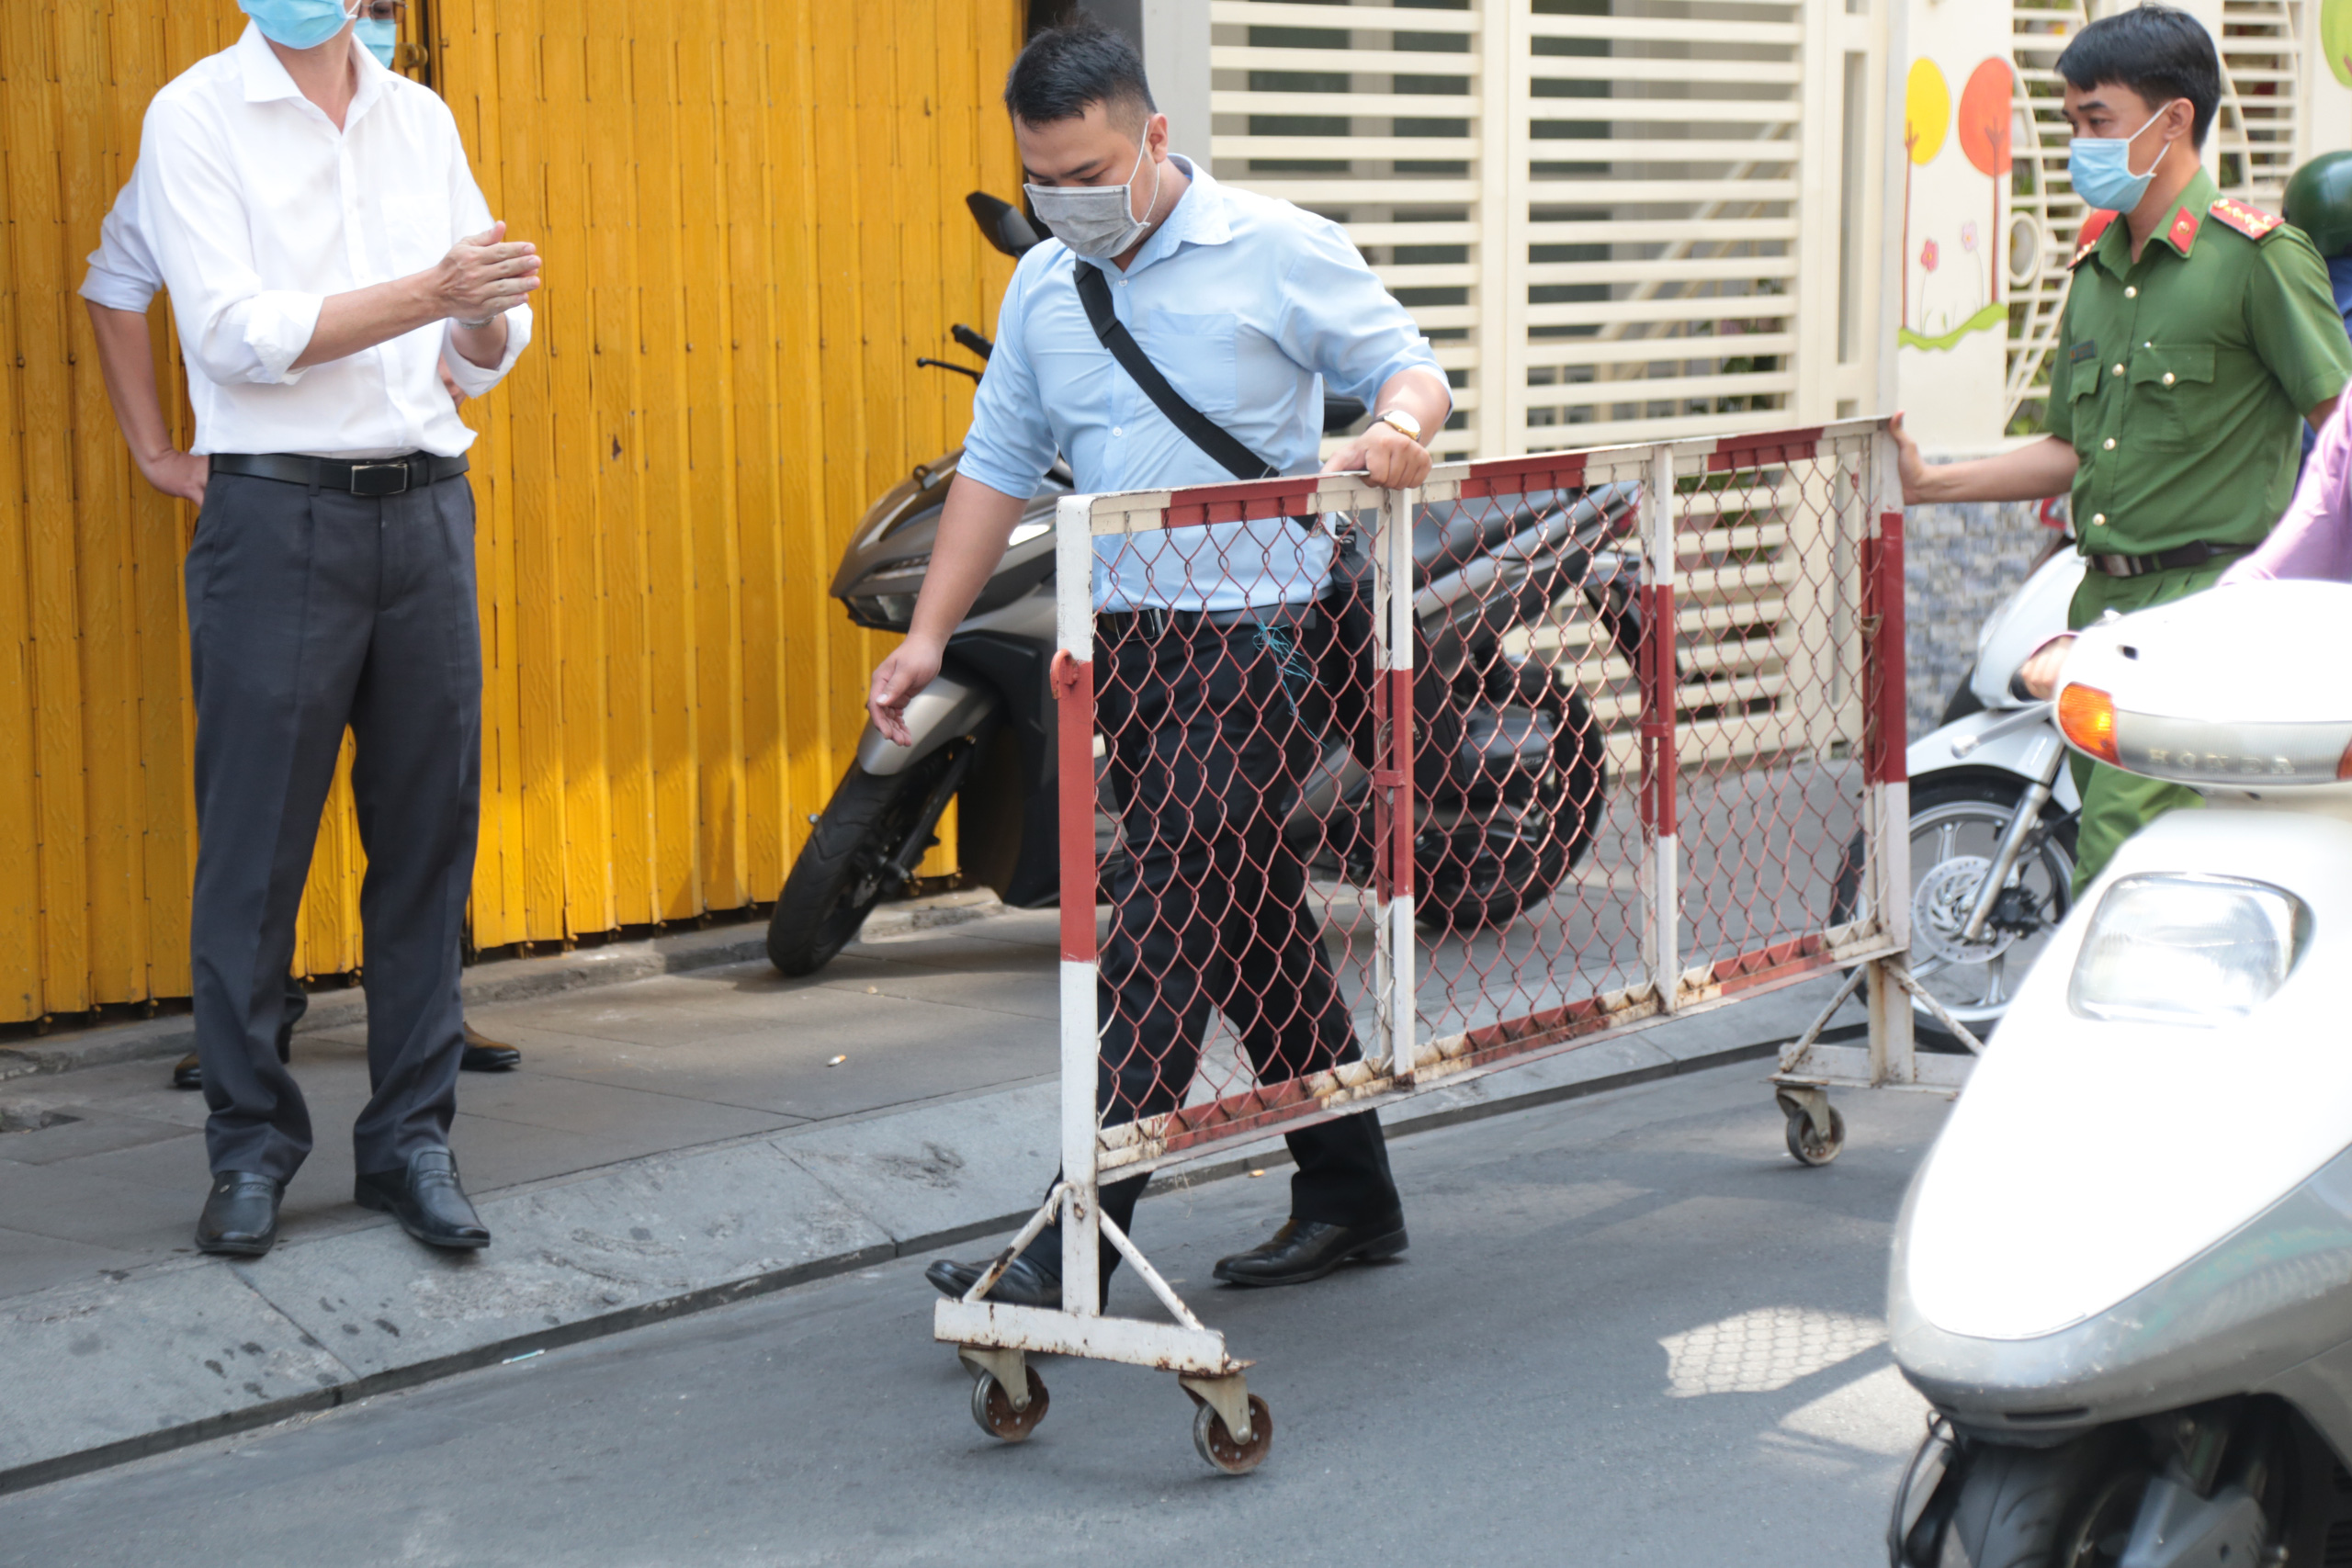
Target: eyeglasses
column 382, row 10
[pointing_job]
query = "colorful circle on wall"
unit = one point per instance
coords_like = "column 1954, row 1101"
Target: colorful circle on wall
column 1985, row 117
column 1926, row 111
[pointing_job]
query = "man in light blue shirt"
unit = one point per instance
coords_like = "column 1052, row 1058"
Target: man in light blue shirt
column 1293, row 300
column 1206, row 638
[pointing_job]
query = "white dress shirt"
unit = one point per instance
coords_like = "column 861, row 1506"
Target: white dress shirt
column 251, row 207
column 123, row 275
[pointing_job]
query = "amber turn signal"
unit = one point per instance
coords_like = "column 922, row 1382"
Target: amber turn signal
column 2086, row 716
column 2344, row 764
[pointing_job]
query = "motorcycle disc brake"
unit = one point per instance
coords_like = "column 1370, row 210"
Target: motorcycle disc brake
column 1940, row 908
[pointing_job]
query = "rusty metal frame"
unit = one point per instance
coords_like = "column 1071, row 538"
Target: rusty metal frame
column 1403, row 1067
column 1890, row 1059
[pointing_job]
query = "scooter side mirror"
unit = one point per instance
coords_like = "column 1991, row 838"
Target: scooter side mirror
column 1002, row 224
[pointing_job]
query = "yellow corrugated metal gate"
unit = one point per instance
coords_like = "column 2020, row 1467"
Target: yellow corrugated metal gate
column 752, row 221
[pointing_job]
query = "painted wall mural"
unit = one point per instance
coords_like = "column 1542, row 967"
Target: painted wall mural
column 2335, row 38
column 1952, row 333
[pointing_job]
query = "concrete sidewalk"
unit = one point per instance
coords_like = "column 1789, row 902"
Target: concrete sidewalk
column 669, row 1143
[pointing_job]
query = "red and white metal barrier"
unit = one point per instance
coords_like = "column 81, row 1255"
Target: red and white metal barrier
column 1580, row 741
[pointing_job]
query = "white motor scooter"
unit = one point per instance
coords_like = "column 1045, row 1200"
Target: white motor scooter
column 2123, row 1277
column 1993, row 815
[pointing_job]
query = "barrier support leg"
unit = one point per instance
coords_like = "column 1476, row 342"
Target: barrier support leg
column 994, row 1338
column 1892, row 1041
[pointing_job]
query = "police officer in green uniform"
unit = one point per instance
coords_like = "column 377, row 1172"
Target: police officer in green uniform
column 2198, row 336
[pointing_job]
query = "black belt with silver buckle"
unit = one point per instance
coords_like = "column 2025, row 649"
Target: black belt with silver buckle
column 2197, row 552
column 360, row 476
column 1152, row 621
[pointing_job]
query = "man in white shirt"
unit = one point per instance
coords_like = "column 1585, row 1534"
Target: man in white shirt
column 328, row 255
column 120, row 284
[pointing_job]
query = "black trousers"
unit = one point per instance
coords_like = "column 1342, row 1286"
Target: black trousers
column 311, row 611
column 1210, row 735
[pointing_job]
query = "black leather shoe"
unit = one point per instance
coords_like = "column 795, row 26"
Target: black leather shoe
column 189, row 1074
column 1308, row 1250
column 483, row 1054
column 1025, row 1283
column 239, row 1218
column 426, row 1199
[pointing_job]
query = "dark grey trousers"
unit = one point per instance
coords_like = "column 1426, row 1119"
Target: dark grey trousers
column 310, row 610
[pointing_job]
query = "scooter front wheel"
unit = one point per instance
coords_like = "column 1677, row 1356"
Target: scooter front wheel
column 2069, row 1506
column 1956, row 829
column 852, row 859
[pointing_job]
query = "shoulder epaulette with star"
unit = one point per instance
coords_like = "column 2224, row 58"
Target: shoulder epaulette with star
column 2087, row 240
column 2251, row 221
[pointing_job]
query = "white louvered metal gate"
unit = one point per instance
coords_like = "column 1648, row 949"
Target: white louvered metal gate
column 1675, row 201
column 1672, row 202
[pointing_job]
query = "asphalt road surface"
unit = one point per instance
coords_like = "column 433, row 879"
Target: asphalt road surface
column 1630, row 1330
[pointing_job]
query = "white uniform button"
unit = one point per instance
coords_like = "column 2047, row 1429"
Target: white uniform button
column 2108, row 444
column 2098, row 519
column 1117, row 431
column 2167, row 377
column 2118, row 370
column 2133, row 292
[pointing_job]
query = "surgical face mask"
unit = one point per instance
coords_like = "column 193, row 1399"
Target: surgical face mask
column 2100, row 168
column 299, row 24
column 379, row 35
column 1096, row 221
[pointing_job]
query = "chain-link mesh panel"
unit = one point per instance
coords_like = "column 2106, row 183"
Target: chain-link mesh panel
column 1527, row 706
column 1641, row 707
column 1769, row 700
column 1237, row 709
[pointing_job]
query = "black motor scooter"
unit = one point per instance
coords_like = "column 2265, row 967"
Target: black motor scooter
column 1510, row 791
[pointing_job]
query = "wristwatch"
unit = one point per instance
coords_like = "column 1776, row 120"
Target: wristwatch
column 1404, row 424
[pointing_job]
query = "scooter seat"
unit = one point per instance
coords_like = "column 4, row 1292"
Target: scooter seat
column 1449, row 535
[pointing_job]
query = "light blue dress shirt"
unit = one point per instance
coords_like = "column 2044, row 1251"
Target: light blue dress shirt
column 1242, row 302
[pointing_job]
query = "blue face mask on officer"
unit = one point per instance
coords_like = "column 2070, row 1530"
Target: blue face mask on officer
column 299, row 24
column 2100, row 168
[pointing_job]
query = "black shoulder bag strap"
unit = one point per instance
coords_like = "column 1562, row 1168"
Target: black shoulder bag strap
column 1095, row 293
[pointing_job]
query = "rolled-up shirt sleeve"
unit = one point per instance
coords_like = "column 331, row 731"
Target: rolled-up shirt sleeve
column 1339, row 321
column 122, row 274
column 233, row 328
column 2314, row 540
column 472, row 215
column 1011, row 444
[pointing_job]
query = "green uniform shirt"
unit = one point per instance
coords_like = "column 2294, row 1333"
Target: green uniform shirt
column 2182, row 378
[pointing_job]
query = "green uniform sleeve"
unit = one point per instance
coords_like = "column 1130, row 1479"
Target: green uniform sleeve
column 2058, row 413
column 2297, row 329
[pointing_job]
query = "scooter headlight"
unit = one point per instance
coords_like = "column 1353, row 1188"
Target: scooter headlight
column 2186, row 950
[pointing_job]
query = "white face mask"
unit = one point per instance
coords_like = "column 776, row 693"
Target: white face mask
column 1096, row 221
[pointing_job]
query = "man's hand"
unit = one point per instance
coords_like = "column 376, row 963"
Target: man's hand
column 2039, row 675
column 485, row 275
column 1908, row 463
column 178, row 473
column 1393, row 459
column 897, row 679
column 449, row 385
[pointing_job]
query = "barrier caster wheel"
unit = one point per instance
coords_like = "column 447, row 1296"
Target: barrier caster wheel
column 1217, row 1443
column 1807, row 1145
column 992, row 1407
